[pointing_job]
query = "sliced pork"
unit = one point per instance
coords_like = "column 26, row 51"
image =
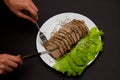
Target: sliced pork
column 66, row 38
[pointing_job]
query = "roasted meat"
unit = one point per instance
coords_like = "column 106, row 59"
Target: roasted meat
column 66, row 38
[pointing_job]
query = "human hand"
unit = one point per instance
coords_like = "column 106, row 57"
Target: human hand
column 8, row 63
column 17, row 6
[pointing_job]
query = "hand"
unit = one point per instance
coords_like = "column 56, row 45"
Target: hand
column 8, row 63
column 17, row 6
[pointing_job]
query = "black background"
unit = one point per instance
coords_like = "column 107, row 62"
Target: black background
column 18, row 36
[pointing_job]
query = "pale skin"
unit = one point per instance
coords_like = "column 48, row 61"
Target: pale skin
column 9, row 62
column 16, row 6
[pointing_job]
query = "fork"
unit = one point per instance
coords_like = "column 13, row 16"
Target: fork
column 41, row 35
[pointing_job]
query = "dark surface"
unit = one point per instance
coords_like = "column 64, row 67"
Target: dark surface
column 18, row 36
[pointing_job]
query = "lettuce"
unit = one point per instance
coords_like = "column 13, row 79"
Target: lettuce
column 86, row 50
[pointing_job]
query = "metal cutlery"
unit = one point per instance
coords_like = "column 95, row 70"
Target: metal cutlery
column 44, row 40
column 37, row 25
column 37, row 54
column 41, row 35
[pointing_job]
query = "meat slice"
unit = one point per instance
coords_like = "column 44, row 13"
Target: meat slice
column 56, row 42
column 78, row 32
column 65, row 39
column 80, row 26
column 67, row 26
column 69, row 34
column 60, row 45
column 73, row 33
column 83, row 26
column 77, row 28
column 74, row 29
column 56, row 53
column 62, row 42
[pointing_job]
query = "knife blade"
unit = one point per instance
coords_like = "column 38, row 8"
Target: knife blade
column 37, row 54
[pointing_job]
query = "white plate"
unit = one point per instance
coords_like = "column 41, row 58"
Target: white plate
column 52, row 25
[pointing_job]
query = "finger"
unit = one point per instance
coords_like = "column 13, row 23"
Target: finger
column 22, row 15
column 33, row 13
column 13, row 58
column 8, row 69
column 11, row 64
column 33, row 6
column 4, row 69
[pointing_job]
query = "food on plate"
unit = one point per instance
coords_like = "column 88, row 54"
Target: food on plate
column 85, row 51
column 66, row 38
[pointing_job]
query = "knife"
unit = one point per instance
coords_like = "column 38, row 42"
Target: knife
column 37, row 54
column 41, row 35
